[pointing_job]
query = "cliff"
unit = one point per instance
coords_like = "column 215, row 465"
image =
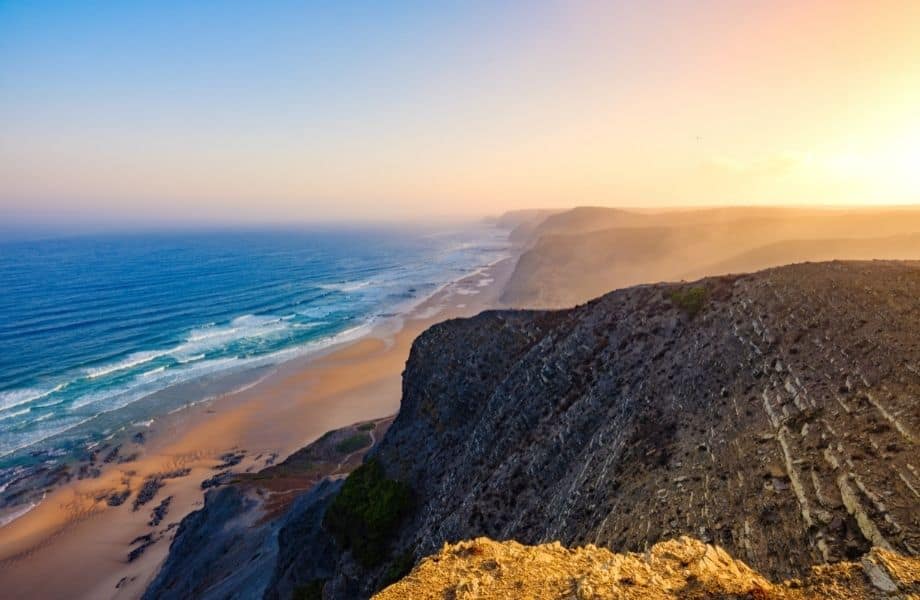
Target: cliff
column 773, row 414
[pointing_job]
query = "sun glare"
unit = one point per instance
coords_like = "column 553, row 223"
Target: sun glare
column 891, row 167
column 907, row 162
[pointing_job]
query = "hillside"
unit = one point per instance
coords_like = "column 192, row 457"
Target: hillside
column 898, row 247
column 772, row 414
column 580, row 254
column 587, row 219
column 523, row 222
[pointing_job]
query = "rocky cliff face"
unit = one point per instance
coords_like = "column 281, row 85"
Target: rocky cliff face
column 779, row 422
column 683, row 569
column 775, row 415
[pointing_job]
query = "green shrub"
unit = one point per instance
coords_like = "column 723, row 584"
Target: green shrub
column 690, row 300
column 367, row 512
column 312, row 590
column 367, row 426
column 352, row 443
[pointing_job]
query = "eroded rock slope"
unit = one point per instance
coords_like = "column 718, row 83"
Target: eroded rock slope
column 779, row 422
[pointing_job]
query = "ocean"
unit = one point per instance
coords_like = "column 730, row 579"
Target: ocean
column 101, row 332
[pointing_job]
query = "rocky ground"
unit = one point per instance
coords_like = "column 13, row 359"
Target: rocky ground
column 684, row 569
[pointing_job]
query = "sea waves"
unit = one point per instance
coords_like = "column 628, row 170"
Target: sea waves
column 224, row 304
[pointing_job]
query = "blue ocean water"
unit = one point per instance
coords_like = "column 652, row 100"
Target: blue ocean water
column 92, row 325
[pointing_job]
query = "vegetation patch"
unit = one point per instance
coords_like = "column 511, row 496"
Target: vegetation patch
column 367, row 512
column 690, row 300
column 353, row 443
column 296, row 466
column 367, row 427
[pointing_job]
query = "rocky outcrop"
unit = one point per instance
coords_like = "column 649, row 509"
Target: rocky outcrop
column 244, row 542
column 682, row 569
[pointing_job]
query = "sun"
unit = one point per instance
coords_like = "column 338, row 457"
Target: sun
column 906, row 160
column 889, row 168
column 897, row 165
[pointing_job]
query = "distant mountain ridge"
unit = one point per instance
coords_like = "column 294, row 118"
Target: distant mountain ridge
column 576, row 255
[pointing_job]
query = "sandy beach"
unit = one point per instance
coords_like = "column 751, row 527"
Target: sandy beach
column 74, row 544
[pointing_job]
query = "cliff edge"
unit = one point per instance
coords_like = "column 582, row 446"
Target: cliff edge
column 684, row 569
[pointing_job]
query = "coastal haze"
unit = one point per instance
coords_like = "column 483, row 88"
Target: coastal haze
column 330, row 302
column 573, row 256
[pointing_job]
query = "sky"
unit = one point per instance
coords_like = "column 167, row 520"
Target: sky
column 312, row 111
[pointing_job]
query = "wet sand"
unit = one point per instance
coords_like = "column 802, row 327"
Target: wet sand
column 74, row 545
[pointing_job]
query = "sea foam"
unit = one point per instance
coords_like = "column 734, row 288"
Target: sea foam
column 207, row 305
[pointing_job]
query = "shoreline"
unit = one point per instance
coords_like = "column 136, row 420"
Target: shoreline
column 76, row 536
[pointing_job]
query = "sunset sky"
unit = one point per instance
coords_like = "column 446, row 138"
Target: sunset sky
column 268, row 111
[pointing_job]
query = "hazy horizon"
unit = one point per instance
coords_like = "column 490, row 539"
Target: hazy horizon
column 26, row 230
column 170, row 113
